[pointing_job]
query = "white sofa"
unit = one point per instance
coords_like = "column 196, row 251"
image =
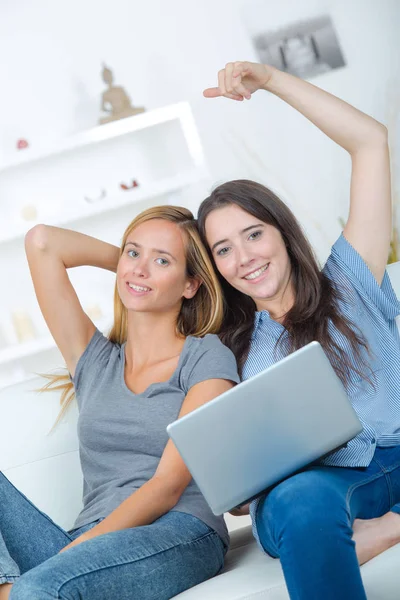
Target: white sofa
column 45, row 466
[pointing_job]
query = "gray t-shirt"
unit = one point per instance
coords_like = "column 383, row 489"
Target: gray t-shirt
column 122, row 435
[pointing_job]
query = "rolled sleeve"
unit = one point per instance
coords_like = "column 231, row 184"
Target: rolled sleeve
column 344, row 258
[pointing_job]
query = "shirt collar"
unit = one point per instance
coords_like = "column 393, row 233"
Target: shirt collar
column 262, row 320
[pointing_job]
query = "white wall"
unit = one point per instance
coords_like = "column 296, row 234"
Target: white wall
column 163, row 52
column 51, row 56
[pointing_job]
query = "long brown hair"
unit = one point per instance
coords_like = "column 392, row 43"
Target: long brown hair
column 198, row 316
column 316, row 298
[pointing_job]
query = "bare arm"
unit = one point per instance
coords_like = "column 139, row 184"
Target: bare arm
column 162, row 492
column 369, row 225
column 50, row 252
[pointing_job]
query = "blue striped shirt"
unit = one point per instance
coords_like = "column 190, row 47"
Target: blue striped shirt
column 372, row 308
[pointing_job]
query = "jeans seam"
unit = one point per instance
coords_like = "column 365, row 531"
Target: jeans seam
column 274, row 549
column 387, row 471
column 209, row 534
column 384, row 473
column 36, row 508
column 392, row 467
column 358, row 484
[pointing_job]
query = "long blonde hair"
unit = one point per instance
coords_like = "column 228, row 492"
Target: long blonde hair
column 198, row 316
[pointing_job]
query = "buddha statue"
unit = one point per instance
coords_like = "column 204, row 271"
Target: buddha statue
column 115, row 101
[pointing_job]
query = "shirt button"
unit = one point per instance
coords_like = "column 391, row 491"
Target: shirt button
column 373, row 441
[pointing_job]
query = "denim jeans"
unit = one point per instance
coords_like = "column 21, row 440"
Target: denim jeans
column 307, row 520
column 156, row 561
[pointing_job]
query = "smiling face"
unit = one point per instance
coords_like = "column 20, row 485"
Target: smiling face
column 151, row 273
column 251, row 256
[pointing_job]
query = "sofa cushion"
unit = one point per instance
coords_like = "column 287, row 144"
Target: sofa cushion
column 249, row 574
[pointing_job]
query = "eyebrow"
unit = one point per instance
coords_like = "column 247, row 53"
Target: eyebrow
column 156, row 250
column 243, row 231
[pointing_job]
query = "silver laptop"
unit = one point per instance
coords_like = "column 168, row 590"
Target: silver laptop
column 265, row 429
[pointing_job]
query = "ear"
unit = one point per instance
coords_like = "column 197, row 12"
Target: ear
column 191, row 287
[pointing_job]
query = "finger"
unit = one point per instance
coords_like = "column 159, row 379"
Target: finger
column 212, row 92
column 239, row 86
column 215, row 93
column 241, row 90
column 234, row 97
column 221, row 81
column 228, row 77
column 241, row 68
column 238, row 73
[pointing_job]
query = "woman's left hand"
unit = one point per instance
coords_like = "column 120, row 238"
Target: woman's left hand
column 240, row 512
column 238, row 80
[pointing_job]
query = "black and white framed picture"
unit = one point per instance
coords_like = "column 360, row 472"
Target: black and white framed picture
column 304, row 48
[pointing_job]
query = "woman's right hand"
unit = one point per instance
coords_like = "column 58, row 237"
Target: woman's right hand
column 238, row 80
column 240, row 512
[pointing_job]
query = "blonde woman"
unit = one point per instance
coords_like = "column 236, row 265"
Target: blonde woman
column 145, row 530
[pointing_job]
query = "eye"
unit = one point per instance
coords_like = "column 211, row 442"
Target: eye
column 133, row 253
column 223, row 251
column 255, row 235
column 162, row 261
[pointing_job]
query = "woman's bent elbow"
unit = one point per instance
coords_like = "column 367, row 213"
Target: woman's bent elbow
column 379, row 135
column 376, row 138
column 37, row 237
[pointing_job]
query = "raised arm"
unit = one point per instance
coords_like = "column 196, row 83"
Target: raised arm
column 50, row 252
column 369, row 225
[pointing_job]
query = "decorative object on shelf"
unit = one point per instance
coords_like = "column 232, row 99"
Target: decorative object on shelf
column 115, row 100
column 125, row 187
column 22, row 144
column 23, row 326
column 29, row 212
column 102, row 195
column 117, row 146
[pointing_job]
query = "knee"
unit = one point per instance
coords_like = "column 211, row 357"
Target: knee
column 27, row 588
column 305, row 502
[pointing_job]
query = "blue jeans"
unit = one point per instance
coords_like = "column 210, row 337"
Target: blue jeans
column 307, row 520
column 156, row 562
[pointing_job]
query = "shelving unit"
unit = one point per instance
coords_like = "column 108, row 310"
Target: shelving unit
column 37, row 346
column 24, row 349
column 160, row 149
column 151, row 192
column 180, row 111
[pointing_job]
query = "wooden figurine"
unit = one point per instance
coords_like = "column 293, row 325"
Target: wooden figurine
column 115, row 101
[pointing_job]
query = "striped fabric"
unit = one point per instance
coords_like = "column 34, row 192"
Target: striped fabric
column 372, row 309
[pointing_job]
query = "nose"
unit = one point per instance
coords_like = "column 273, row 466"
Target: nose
column 140, row 268
column 244, row 256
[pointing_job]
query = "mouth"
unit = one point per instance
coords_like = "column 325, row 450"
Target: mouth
column 138, row 289
column 254, row 274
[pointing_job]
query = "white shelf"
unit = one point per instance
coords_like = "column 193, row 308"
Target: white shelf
column 33, row 347
column 120, row 200
column 25, row 349
column 161, row 149
column 115, row 129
